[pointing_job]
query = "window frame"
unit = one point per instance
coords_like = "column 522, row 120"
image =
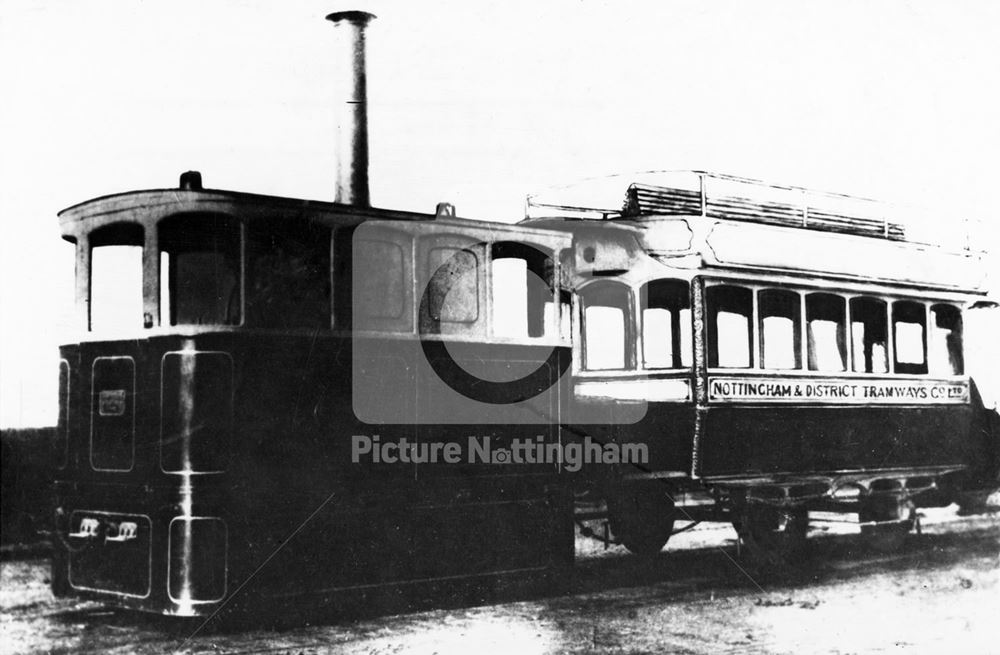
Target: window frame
column 428, row 327
column 510, row 249
column 677, row 336
column 812, row 358
column 797, row 319
column 629, row 320
column 293, row 229
column 474, row 313
column 914, row 368
column 711, row 339
column 957, row 362
column 886, row 305
column 115, row 234
column 757, row 285
column 166, row 319
column 342, row 271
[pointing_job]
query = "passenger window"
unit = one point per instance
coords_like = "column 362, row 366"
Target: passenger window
column 289, row 276
column 521, row 289
column 826, row 332
column 116, row 277
column 453, row 287
column 605, row 312
column 730, row 326
column 869, row 335
column 379, row 279
column 666, row 324
column 200, row 270
column 909, row 320
column 945, row 341
column 780, row 329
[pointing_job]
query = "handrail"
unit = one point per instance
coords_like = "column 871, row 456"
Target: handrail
column 731, row 197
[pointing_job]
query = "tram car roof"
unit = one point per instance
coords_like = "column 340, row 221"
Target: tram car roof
column 706, row 221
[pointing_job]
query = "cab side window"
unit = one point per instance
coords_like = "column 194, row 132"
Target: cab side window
column 521, row 288
column 453, row 287
column 116, row 277
column 200, row 270
column 288, row 283
column 380, row 279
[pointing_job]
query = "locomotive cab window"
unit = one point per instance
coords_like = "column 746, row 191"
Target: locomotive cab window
column 780, row 329
column 869, row 335
column 945, row 341
column 379, row 279
column 372, row 278
column 730, row 326
column 605, row 333
column 453, row 285
column 116, row 277
column 666, row 324
column 826, row 332
column 909, row 330
column 200, row 270
column 288, row 276
column 522, row 290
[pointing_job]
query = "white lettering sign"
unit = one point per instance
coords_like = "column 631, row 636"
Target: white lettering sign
column 834, row 391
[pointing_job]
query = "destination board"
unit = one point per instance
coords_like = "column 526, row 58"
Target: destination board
column 837, row 391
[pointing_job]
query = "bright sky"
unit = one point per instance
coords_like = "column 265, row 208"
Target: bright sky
column 472, row 102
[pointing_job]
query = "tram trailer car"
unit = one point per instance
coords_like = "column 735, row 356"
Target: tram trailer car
column 778, row 351
column 229, row 344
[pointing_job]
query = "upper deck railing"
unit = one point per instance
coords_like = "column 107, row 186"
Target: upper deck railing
column 727, row 197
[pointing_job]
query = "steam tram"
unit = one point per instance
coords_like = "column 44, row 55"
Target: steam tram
column 771, row 351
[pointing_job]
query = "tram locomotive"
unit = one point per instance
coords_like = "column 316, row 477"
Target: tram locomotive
column 235, row 347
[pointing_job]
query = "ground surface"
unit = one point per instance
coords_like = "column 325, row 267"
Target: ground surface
column 939, row 594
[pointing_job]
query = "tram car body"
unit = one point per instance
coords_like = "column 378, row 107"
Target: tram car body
column 778, row 350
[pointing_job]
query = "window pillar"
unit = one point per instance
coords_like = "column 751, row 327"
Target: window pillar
column 151, row 279
column 890, row 339
column 755, row 362
column 83, row 282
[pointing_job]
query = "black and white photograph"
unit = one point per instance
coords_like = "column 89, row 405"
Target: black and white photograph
column 380, row 327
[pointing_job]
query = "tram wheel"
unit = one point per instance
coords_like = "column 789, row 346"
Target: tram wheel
column 773, row 536
column 642, row 518
column 900, row 516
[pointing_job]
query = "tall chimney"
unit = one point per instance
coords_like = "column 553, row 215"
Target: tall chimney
column 352, row 108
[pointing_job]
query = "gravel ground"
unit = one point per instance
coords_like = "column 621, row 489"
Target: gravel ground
column 940, row 593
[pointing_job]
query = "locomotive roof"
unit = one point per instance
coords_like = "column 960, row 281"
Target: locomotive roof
column 150, row 205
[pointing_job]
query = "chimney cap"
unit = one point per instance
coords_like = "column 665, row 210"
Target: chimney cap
column 353, row 16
